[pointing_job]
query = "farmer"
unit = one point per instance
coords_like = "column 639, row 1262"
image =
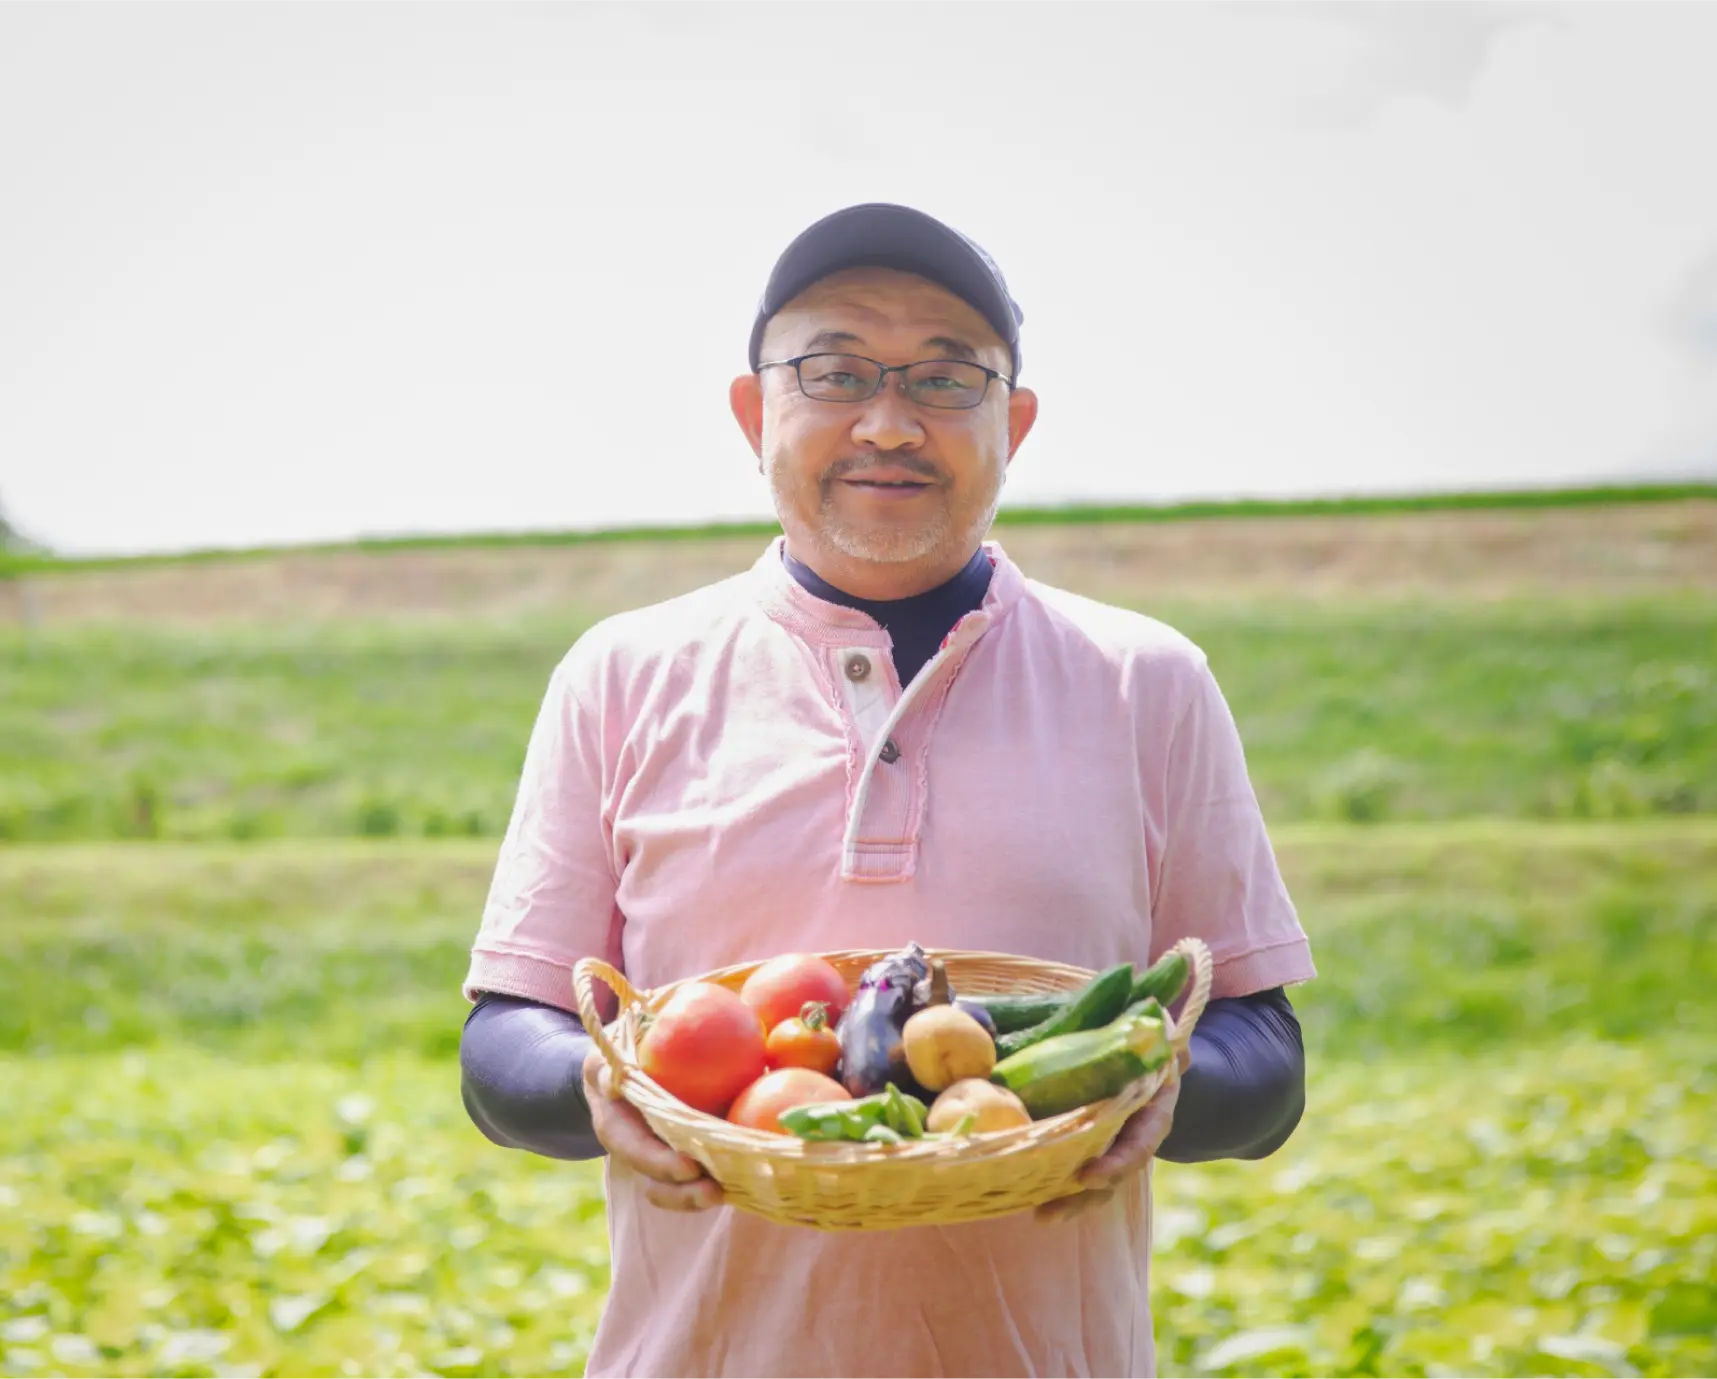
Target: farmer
column 881, row 733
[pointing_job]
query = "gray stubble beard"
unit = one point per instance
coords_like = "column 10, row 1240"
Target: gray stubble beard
column 890, row 546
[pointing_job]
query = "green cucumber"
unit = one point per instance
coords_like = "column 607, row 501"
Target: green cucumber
column 1067, row 1071
column 1013, row 1013
column 1150, row 1006
column 1102, row 998
column 1165, row 979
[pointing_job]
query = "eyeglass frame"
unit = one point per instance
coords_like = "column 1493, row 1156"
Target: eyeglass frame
column 990, row 376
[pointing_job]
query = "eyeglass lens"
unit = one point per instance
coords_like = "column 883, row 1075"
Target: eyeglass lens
column 931, row 383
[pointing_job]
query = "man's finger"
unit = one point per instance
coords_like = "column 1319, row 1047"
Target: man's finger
column 698, row 1196
column 627, row 1136
column 1139, row 1139
column 599, row 1079
column 1066, row 1208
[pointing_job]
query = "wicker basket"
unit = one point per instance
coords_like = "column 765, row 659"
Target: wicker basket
column 838, row 1187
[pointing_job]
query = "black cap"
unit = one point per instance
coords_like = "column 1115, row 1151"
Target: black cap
column 880, row 235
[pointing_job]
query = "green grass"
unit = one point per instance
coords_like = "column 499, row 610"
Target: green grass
column 17, row 562
column 235, row 1143
column 259, row 952
column 337, row 731
column 1349, row 711
column 174, row 1213
column 177, row 1213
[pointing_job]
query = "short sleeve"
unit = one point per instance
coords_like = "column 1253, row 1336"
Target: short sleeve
column 1218, row 879
column 552, row 898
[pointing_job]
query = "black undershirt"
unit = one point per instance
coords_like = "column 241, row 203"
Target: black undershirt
column 522, row 1061
column 918, row 624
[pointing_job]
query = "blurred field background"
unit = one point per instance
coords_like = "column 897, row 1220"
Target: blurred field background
column 247, row 813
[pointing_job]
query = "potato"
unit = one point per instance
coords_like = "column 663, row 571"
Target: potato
column 995, row 1108
column 944, row 1044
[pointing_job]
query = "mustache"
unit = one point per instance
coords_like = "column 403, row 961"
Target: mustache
column 855, row 464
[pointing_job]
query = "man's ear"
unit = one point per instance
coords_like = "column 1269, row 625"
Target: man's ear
column 745, row 397
column 1022, row 415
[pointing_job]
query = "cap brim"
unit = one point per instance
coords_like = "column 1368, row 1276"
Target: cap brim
column 898, row 237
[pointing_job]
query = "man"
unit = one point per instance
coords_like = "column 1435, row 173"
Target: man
column 883, row 732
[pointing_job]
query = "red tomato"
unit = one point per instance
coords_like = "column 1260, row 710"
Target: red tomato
column 779, row 989
column 705, row 1046
column 760, row 1105
column 805, row 1041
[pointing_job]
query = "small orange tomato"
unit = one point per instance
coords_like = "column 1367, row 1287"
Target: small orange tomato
column 805, row 1041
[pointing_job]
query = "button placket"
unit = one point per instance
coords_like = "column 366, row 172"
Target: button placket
column 881, row 840
column 865, row 691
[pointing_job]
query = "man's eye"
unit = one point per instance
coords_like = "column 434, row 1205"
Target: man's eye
column 836, row 381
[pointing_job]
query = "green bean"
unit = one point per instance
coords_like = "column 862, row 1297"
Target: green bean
column 902, row 1116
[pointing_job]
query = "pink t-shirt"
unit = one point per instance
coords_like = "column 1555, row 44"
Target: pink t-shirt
column 737, row 773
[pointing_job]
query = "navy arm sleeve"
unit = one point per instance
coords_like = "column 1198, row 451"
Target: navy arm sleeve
column 521, row 1069
column 1245, row 1089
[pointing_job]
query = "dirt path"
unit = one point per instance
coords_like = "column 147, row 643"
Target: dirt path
column 1645, row 548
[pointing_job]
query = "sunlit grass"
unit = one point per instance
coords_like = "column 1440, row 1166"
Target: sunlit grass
column 172, row 1212
column 1460, row 935
column 1349, row 712
column 234, row 1141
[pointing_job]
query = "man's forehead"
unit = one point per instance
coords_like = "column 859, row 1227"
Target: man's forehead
column 864, row 302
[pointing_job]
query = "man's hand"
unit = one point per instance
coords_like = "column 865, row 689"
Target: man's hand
column 1133, row 1148
column 673, row 1181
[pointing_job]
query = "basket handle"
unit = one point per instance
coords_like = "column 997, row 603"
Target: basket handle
column 585, row 974
column 1203, row 969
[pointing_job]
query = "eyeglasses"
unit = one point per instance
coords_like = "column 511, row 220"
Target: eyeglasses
column 955, row 384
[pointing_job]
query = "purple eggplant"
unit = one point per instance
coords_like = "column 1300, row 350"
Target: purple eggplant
column 873, row 1053
column 934, row 989
column 978, row 1013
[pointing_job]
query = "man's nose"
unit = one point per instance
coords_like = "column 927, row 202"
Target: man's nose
column 888, row 421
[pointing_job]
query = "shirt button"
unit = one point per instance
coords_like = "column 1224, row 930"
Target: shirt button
column 889, row 753
column 858, row 667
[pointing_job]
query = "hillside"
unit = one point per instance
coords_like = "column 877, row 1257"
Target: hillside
column 1627, row 549
column 1398, row 665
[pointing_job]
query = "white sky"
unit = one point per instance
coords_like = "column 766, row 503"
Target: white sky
column 300, row 272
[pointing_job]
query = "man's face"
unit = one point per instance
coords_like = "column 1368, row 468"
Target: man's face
column 887, row 481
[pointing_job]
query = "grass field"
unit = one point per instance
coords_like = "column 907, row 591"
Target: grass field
column 1580, row 709
column 246, row 824
column 1609, row 497
column 215, row 1164
column 1402, row 665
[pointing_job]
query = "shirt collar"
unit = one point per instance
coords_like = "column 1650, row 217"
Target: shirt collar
column 948, row 601
column 818, row 620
